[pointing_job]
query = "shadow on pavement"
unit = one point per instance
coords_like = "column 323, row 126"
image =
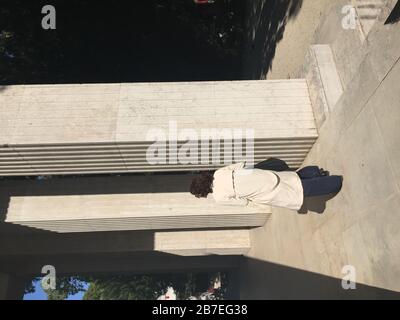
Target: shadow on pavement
column 394, row 16
column 316, row 204
column 263, row 280
column 266, row 23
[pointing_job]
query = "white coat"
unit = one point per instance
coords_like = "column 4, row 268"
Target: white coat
column 236, row 185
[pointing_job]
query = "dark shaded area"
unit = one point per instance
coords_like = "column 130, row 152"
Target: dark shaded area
column 316, row 204
column 15, row 288
column 122, row 263
column 394, row 15
column 140, row 41
column 122, row 41
column 134, row 183
column 264, row 280
column 266, row 26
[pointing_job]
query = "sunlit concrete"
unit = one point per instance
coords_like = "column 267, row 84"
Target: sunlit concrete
column 360, row 140
column 108, row 128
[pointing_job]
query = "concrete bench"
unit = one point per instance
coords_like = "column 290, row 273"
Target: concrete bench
column 152, row 211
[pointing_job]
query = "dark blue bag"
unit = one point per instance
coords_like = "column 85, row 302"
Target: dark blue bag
column 273, row 164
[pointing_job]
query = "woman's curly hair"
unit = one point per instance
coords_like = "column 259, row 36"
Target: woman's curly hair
column 202, row 184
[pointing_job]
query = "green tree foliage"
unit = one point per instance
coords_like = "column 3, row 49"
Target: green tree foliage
column 131, row 287
column 30, row 286
column 66, row 286
column 146, row 287
column 127, row 288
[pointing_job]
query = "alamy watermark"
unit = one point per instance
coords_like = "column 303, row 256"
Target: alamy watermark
column 349, row 278
column 349, row 21
column 49, row 280
column 203, row 146
column 49, row 20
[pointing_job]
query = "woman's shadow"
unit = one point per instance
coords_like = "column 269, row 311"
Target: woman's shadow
column 316, row 204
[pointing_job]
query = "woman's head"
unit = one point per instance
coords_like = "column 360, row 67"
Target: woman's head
column 202, row 185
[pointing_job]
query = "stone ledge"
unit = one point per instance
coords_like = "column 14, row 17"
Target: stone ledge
column 323, row 81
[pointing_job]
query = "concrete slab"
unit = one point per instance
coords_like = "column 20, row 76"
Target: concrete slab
column 108, row 128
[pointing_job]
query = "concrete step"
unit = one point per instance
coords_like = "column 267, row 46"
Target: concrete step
column 368, row 12
column 323, row 80
column 63, row 206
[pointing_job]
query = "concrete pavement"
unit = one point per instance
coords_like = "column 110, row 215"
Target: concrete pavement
column 361, row 141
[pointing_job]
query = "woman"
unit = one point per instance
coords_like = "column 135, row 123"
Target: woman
column 236, row 185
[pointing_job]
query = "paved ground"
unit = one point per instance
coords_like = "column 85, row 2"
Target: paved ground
column 279, row 33
column 292, row 49
column 300, row 256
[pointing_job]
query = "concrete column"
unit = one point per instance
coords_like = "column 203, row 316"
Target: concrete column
column 3, row 285
column 11, row 287
column 108, row 128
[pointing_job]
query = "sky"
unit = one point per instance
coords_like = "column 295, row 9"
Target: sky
column 39, row 294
